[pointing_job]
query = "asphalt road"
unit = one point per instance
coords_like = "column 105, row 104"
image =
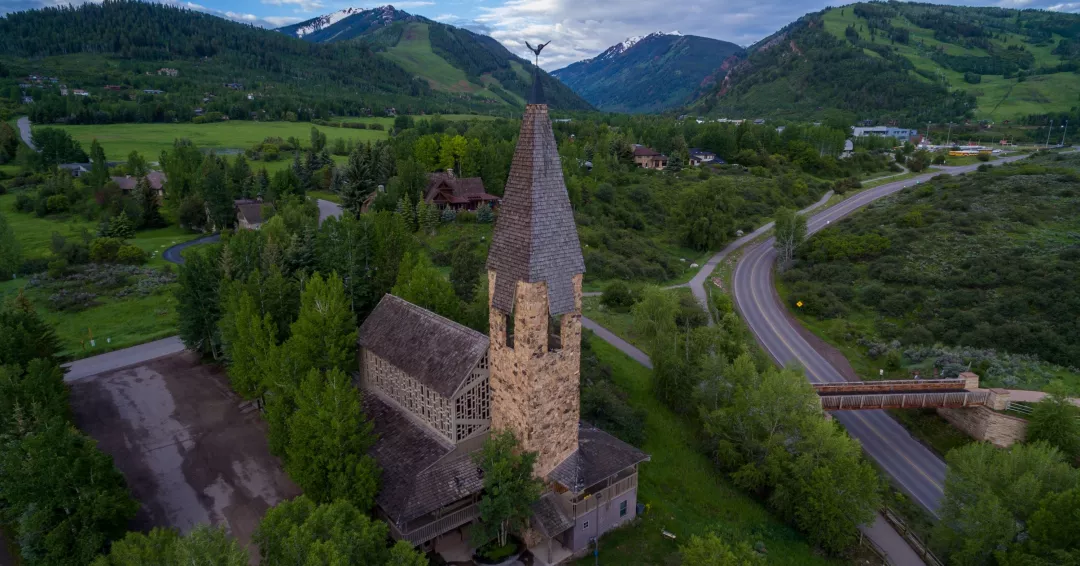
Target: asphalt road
column 915, row 469
column 173, row 254
column 88, row 367
column 24, row 131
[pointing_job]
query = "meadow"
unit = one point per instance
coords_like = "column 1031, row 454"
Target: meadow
column 150, row 140
column 115, row 323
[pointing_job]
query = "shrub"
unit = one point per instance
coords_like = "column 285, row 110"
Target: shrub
column 104, row 250
column 484, row 215
column 617, row 295
column 690, row 313
column 984, row 157
column 131, row 255
column 57, row 203
column 466, row 217
column 57, row 268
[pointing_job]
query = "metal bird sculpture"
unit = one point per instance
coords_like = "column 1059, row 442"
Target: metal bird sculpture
column 536, row 50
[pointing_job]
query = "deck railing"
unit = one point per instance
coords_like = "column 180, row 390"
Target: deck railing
column 424, row 533
column 605, row 495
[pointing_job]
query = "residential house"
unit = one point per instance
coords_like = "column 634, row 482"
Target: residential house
column 446, row 190
column 649, row 158
column 156, row 179
column 249, row 213
column 849, row 149
column 76, row 169
column 434, row 389
column 63, row 91
column 389, row 111
column 153, row 91
column 169, row 72
column 699, row 156
column 80, row 92
column 114, row 87
column 28, row 99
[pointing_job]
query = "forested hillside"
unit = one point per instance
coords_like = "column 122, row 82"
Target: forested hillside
column 448, row 58
column 979, row 263
column 118, row 52
column 650, row 74
column 911, row 62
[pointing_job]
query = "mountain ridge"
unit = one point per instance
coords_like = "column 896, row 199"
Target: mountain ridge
column 650, row 73
column 450, row 59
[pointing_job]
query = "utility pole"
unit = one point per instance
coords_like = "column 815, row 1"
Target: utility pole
column 949, row 136
column 1048, row 134
column 1063, row 132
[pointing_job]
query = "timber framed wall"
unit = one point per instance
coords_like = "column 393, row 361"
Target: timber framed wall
column 464, row 416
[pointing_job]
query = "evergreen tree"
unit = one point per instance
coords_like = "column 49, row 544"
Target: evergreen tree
column 262, row 184
column 240, row 181
column 121, row 227
column 465, row 265
column 328, row 442
column 448, row 215
column 300, row 172
column 149, row 207
column 99, row 166
column 359, row 182
column 212, row 186
column 484, row 215
column 10, row 249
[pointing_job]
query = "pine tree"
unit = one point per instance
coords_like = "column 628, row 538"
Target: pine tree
column 99, row 166
column 484, row 215
column 448, row 215
column 121, row 227
column 149, row 208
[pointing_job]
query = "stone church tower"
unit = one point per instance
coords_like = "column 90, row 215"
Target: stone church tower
column 534, row 275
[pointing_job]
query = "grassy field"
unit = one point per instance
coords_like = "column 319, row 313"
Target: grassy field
column 325, row 195
column 151, row 139
column 683, row 492
column 115, row 323
column 414, row 54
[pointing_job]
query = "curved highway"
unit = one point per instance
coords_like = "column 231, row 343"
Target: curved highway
column 915, row 469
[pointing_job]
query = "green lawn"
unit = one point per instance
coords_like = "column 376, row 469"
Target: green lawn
column 682, row 490
column 151, row 139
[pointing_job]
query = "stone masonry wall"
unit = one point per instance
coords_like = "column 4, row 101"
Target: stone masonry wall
column 982, row 423
column 534, row 392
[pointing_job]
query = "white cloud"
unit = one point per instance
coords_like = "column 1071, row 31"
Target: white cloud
column 406, row 5
column 280, row 21
column 302, row 5
column 447, row 18
column 1066, row 7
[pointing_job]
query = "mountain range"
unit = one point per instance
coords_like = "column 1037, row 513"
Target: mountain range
column 650, row 73
column 450, row 59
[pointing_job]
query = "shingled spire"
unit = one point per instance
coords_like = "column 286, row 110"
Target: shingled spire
column 535, row 237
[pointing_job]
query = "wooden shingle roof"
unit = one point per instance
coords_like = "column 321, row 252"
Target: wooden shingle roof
column 599, row 455
column 434, row 350
column 535, row 237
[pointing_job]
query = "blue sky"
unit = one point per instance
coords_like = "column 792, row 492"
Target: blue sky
column 578, row 29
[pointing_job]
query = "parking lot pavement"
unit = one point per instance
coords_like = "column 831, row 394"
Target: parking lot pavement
column 189, row 453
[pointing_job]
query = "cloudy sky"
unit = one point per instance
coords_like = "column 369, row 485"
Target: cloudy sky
column 578, row 29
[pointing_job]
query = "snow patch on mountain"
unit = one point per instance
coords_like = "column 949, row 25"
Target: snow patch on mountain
column 327, row 20
column 620, row 48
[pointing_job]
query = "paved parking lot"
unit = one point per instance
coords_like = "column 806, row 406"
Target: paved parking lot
column 188, row 451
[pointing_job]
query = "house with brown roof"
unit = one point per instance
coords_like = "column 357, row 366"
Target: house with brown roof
column 649, row 158
column 446, row 190
column 156, row 179
column 435, row 389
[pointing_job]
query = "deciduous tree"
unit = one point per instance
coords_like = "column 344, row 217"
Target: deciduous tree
column 199, row 301
column 790, row 231
column 509, row 488
column 1056, row 421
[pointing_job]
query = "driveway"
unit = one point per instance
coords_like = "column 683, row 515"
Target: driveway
column 24, row 131
column 327, row 209
column 190, row 450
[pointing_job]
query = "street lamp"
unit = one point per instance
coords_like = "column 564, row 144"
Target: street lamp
column 1064, row 130
column 1051, row 129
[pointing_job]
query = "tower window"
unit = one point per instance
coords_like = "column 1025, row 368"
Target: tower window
column 554, row 334
column 508, row 321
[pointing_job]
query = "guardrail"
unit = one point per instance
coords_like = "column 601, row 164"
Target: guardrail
column 891, row 386
column 913, row 539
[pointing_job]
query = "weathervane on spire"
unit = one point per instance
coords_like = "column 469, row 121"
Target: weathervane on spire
column 537, row 50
